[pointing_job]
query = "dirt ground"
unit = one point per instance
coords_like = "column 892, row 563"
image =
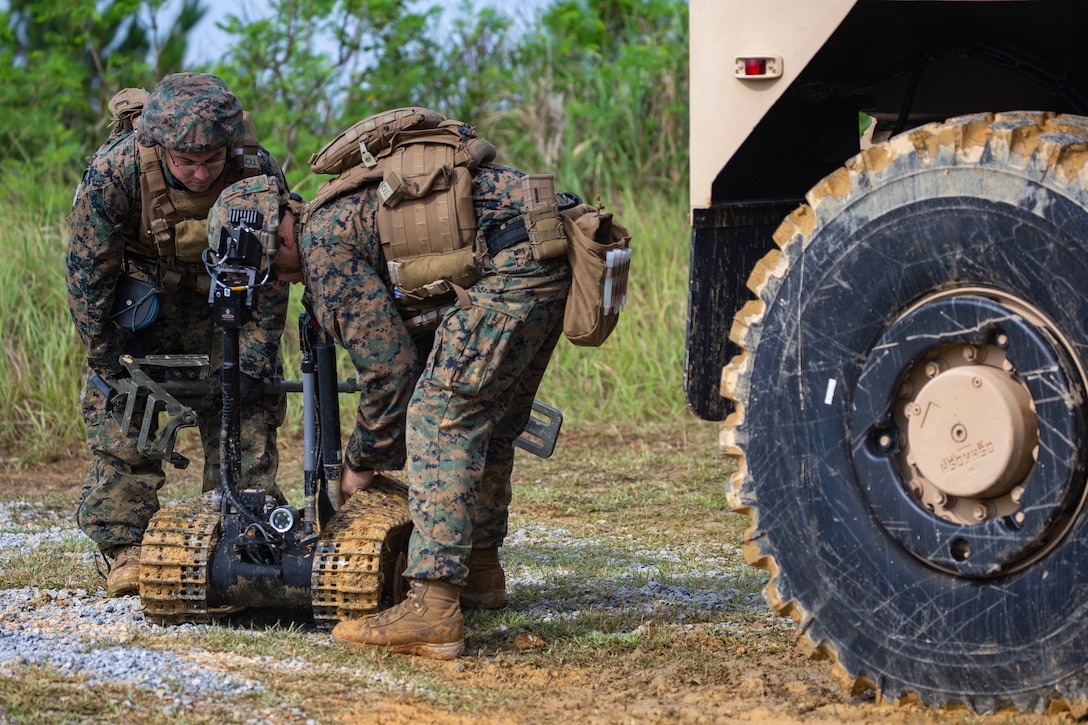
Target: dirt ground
column 758, row 678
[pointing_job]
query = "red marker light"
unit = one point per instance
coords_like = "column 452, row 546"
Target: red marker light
column 755, row 66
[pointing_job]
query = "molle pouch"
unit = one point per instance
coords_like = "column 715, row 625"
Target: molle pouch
column 541, row 214
column 600, row 260
column 426, row 222
column 190, row 239
column 135, row 303
column 412, row 275
column 426, row 202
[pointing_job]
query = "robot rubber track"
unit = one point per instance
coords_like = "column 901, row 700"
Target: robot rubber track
column 356, row 561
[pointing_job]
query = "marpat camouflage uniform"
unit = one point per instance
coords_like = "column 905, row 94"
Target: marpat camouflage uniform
column 456, row 405
column 120, row 491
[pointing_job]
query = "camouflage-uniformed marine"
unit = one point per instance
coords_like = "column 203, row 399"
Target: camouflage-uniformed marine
column 186, row 148
column 455, row 404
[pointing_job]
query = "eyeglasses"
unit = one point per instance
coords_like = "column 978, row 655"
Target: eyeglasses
column 193, row 165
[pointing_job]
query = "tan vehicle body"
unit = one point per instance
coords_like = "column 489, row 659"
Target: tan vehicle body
column 724, row 107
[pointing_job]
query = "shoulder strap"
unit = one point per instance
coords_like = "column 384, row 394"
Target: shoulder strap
column 354, row 178
column 155, row 199
column 363, row 141
column 250, row 161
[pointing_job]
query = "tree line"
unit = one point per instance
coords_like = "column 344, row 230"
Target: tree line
column 595, row 90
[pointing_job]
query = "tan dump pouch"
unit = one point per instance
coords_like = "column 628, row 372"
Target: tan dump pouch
column 600, row 261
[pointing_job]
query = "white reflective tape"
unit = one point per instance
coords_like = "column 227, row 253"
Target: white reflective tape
column 830, row 394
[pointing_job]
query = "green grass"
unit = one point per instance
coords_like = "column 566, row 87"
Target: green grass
column 42, row 360
column 42, row 696
column 54, row 566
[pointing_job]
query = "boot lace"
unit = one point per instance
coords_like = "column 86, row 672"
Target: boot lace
column 412, row 599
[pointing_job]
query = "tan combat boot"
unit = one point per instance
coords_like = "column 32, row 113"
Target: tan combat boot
column 124, row 576
column 428, row 623
column 485, row 586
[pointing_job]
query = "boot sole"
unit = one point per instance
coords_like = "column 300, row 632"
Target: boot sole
column 484, row 601
column 447, row 651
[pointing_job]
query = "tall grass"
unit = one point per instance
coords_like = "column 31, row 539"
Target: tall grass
column 42, row 361
column 634, row 378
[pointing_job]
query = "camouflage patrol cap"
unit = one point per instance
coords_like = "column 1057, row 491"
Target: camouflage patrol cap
column 191, row 113
column 253, row 194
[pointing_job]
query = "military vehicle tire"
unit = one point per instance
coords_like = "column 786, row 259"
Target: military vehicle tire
column 909, row 415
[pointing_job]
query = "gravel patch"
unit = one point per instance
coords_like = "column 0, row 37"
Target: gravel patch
column 82, row 635
column 26, row 527
column 541, row 556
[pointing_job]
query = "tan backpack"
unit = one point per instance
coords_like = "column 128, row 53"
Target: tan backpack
column 125, row 107
column 423, row 165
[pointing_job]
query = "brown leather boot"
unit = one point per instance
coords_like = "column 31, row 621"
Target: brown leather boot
column 124, row 576
column 428, row 623
column 485, row 586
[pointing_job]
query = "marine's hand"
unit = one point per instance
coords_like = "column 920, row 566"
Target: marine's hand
column 352, row 481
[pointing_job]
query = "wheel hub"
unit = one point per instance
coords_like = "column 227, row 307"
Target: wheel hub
column 970, row 435
column 952, row 415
